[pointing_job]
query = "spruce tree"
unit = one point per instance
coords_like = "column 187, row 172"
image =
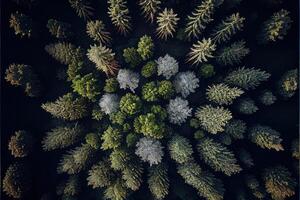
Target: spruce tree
column 180, row 149
column 218, row 157
column 236, row 128
column 246, row 106
column 21, row 144
column 150, row 8
column 97, row 31
column 82, row 8
column 167, row 23
column 100, row 175
column 145, row 47
column 116, row 191
column 132, row 174
column 59, row 29
column 201, row 51
column 267, row 98
column 119, row 158
column 119, row 15
column 289, row 83
column 158, row 181
column 111, row 138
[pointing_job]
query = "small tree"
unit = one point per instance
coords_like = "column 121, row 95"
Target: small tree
column 150, row 92
column 111, row 138
column 149, row 69
column 128, row 79
column 288, row 84
column 207, row 71
column 100, row 175
column 82, row 8
column 167, row 66
column 201, row 51
column 246, row 158
column 132, row 175
column 267, row 98
column 158, row 181
column 67, row 107
column 109, row 103
column 178, row 110
column 167, row 22
column 22, row 24
column 116, row 191
column 150, row 8
column 246, row 106
column 295, row 148
column 21, row 144
column 145, row 47
column 166, row 89
column 132, row 57
column 218, row 157
column 69, row 187
column 93, row 140
column 130, row 104
column 119, row 158
column 111, row 85
column 180, row 149
column 119, row 15
column 265, row 137
column 186, row 83
column 97, row 31
column 59, row 29
column 236, row 128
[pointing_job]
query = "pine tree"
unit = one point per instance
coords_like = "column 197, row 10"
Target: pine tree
column 86, row 86
column 180, row 149
column 100, row 175
column 67, row 107
column 246, row 106
column 119, row 15
column 132, row 175
column 119, row 158
column 246, row 78
column 116, row 191
column 233, row 54
column 204, row 182
column 227, row 28
column 70, row 187
column 201, row 51
column 145, row 47
column 222, row 94
column 178, row 110
column 132, row 57
column 62, row 137
column 218, row 157
column 167, row 22
column 276, row 27
column 21, row 144
column 150, row 8
column 289, row 83
column 111, row 85
column 97, row 31
column 267, row 98
column 59, row 29
column 158, row 181
column 104, row 59
column 111, row 138
column 213, row 119
column 265, row 137
column 82, row 8
column 130, row 104
column 22, row 24
column 200, row 17
column 236, row 128
column 279, row 182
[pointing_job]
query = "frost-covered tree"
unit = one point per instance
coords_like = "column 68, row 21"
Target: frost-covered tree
column 86, row 86
column 201, row 51
column 23, row 75
column 109, row 103
column 82, row 8
column 132, row 57
column 200, row 17
column 222, row 94
column 279, row 182
column 185, row 83
column 59, row 29
column 128, row 79
column 295, row 149
column 67, row 107
column 150, row 8
column 246, row 106
column 111, row 138
column 289, row 83
column 116, row 191
column 22, row 24
column 232, row 54
column 76, row 159
column 247, row 78
column 130, row 104
column 104, row 59
column 236, row 128
column 218, row 157
column 276, row 27
column 149, row 150
column 62, row 137
column 206, row 184
column 150, row 91
column 213, row 119
column 100, row 175
column 227, row 28
column 145, row 47
column 265, row 137
column 167, row 22
column 119, row 15
column 178, row 110
column 180, row 149
column 17, row 180
column 21, row 144
column 149, row 69
column 65, row 53
column 158, row 181
column 97, row 31
column 267, row 98
column 167, row 66
column 166, row 89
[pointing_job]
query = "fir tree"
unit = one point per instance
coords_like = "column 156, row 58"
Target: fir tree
column 246, row 106
column 207, row 71
column 132, row 175
column 265, row 137
column 21, row 144
column 267, row 98
column 222, row 94
column 62, row 137
column 150, row 8
column 150, row 92
column 279, row 182
column 59, row 29
column 111, row 138
column 246, row 78
column 111, row 85
column 200, row 17
column 201, row 51
column 167, row 22
column 149, row 69
column 116, row 191
column 165, row 89
column 130, row 104
column 227, row 28
column 288, row 84
column 158, row 181
column 22, row 24
column 104, row 59
column 145, row 47
column 233, row 54
column 70, row 187
column 100, row 175
column 119, row 158
column 276, row 27
column 218, row 157
column 213, row 119
column 67, row 107
column 132, row 57
column 180, row 149
column 93, row 140
column 97, row 31
column 236, row 128
column 119, row 15
column 82, row 8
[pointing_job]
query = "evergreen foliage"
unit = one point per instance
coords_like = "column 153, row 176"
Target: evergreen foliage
column 100, row 175
column 149, row 69
column 213, row 119
column 265, row 137
column 218, row 157
column 97, row 31
column 132, row 175
column 180, row 149
column 109, row 103
column 267, row 98
column 128, row 79
column 145, row 47
column 246, row 106
column 130, row 104
column 288, row 84
column 201, row 51
column 93, row 140
column 21, row 144
column 59, row 29
column 67, row 107
column 295, row 149
column 207, row 71
column 132, row 57
column 165, row 89
column 167, row 22
column 178, row 110
column 82, row 8
column 158, row 181
column 22, row 24
column 70, row 187
column 119, row 158
column 119, row 15
column 62, row 137
column 111, row 85
column 236, row 128
column 150, row 91
column 246, row 158
column 186, row 83
column 167, row 66
column 116, row 191
column 150, row 8
column 111, row 138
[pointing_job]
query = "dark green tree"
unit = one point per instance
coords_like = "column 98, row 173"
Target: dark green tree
column 236, row 128
column 93, row 140
column 111, row 138
column 150, row 91
column 246, row 106
column 119, row 158
column 59, row 29
column 116, row 191
column 145, row 47
column 21, row 144
column 100, row 175
column 132, row 174
column 267, row 98
column 130, row 104
column 111, row 85
column 180, row 149
column 132, row 57
column 149, row 69
column 166, row 89
column 158, row 181
column 288, row 84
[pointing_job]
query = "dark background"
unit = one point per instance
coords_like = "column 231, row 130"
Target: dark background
column 21, row 112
